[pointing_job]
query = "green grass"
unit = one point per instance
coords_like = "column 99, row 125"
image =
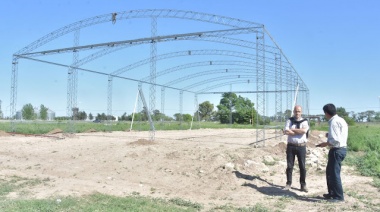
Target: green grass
column 95, row 202
column 42, row 127
column 363, row 146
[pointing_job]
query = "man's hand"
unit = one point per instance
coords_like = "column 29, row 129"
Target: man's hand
column 322, row 144
column 289, row 132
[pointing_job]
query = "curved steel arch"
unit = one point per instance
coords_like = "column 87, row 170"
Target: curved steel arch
column 162, row 13
column 199, row 74
column 221, row 85
column 184, row 53
column 125, row 15
column 218, row 79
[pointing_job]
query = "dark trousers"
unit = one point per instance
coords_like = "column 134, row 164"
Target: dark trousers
column 291, row 153
column 334, row 183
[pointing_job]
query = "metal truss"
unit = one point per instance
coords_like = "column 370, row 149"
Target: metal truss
column 140, row 41
column 260, row 86
column 264, row 69
column 153, row 53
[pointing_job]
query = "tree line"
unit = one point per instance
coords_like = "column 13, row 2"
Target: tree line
column 231, row 109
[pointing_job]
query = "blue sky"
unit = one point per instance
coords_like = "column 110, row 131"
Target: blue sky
column 333, row 45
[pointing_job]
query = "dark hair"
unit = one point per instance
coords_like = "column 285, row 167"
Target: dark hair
column 329, row 109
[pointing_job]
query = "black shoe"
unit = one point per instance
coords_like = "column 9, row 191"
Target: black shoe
column 304, row 189
column 327, row 196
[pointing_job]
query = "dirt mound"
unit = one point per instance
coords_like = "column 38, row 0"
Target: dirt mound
column 215, row 168
column 142, row 142
column 90, row 130
column 3, row 133
column 55, row 131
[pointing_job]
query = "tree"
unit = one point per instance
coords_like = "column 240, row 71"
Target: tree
column 82, row 115
column 240, row 109
column 370, row 115
column 341, row 112
column 187, row 117
column 28, row 112
column 157, row 115
column 183, row 117
column 43, row 112
column 123, row 117
column 377, row 116
column 288, row 114
column 205, row 109
column 90, row 116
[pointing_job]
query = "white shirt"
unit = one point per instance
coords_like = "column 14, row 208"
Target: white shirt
column 338, row 132
column 298, row 138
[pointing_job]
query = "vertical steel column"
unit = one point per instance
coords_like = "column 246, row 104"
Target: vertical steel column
column 278, row 94
column 162, row 101
column 260, row 83
column 153, row 54
column 109, row 102
column 180, row 106
column 230, row 106
column 197, row 109
column 151, row 129
column 139, row 107
column 13, row 100
column 72, row 85
column 289, row 88
column 307, row 111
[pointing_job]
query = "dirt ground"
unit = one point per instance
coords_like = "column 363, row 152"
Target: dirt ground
column 212, row 167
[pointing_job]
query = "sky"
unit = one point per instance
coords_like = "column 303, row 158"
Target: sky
column 333, row 45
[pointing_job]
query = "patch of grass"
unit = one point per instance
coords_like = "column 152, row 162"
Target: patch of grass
column 269, row 163
column 257, row 208
column 16, row 183
column 185, row 203
column 98, row 202
column 42, row 127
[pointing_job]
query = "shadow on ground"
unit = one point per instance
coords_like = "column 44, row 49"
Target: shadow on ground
column 274, row 190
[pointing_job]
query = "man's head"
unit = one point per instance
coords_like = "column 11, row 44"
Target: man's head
column 329, row 110
column 297, row 112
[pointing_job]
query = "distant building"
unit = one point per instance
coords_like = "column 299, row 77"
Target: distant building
column 50, row 115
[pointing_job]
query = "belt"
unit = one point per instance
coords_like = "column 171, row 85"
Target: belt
column 296, row 144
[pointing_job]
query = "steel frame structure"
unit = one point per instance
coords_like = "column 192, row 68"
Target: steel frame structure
column 267, row 65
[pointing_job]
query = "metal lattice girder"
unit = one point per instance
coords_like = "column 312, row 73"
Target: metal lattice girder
column 72, row 87
column 202, row 63
column 196, row 105
column 278, row 94
column 227, row 83
column 146, row 110
column 105, row 74
column 109, row 99
column 181, row 106
column 153, row 53
column 213, row 36
column 156, row 39
column 125, row 15
column 163, row 100
column 215, row 79
column 260, row 85
column 182, row 53
column 13, row 92
column 210, row 72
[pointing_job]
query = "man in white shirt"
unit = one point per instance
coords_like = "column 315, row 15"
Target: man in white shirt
column 296, row 128
column 337, row 141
